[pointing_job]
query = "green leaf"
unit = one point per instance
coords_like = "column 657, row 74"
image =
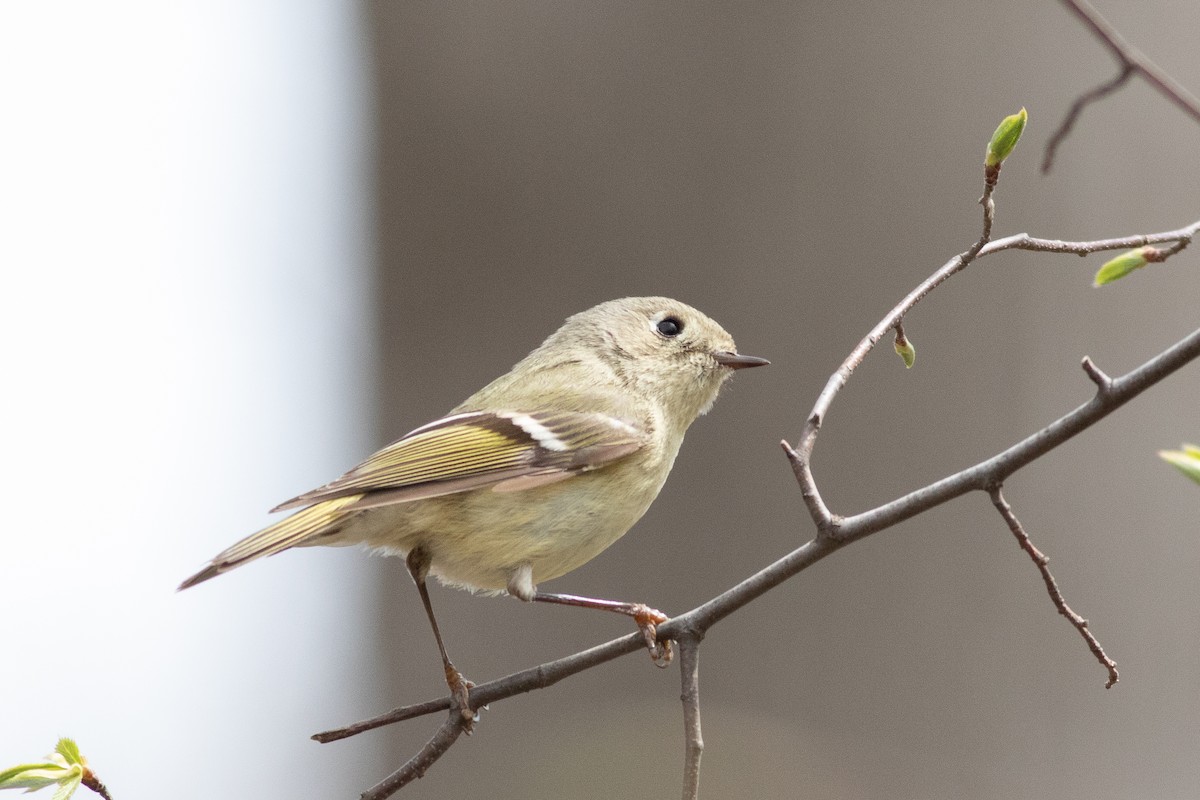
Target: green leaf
column 64, row 768
column 1186, row 460
column 1007, row 134
column 33, row 776
column 67, row 788
column 69, row 750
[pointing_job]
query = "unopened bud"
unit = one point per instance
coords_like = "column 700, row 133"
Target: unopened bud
column 1127, row 262
column 1007, row 134
column 1186, row 460
column 906, row 351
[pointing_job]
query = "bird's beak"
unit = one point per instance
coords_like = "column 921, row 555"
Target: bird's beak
column 736, row 361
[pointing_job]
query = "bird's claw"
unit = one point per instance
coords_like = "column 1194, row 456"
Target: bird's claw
column 648, row 619
column 460, row 696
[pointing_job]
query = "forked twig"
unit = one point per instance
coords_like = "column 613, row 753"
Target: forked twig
column 1076, row 111
column 1132, row 62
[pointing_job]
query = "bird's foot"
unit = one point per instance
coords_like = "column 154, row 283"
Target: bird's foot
column 648, row 619
column 460, row 697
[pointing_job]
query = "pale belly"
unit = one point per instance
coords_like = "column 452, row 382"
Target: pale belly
column 476, row 540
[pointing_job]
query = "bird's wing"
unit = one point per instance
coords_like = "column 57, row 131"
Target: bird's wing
column 506, row 450
column 294, row 530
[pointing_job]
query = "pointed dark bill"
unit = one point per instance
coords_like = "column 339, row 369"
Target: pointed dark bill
column 736, row 361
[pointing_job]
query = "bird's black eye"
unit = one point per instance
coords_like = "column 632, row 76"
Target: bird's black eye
column 669, row 326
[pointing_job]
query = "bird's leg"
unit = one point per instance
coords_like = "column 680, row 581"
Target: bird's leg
column 648, row 619
column 460, row 688
column 520, row 584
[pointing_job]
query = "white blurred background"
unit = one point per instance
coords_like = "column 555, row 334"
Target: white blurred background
column 245, row 244
column 186, row 253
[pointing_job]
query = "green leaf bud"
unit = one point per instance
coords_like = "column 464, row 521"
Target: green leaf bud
column 64, row 768
column 1007, row 134
column 1186, row 460
column 1122, row 265
column 906, row 351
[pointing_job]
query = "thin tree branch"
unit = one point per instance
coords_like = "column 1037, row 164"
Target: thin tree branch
column 689, row 675
column 1131, row 61
column 1042, row 561
column 91, row 781
column 1129, row 55
column 446, row 735
column 1023, row 241
column 395, row 715
column 1084, row 100
column 800, row 456
column 528, row 680
column 997, row 468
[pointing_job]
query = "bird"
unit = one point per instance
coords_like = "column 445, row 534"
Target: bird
column 532, row 476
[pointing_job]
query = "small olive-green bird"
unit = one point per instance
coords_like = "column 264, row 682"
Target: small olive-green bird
column 533, row 475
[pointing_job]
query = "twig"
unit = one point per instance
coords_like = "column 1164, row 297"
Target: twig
column 94, row 783
column 1086, row 99
column 446, row 735
column 1098, row 376
column 395, row 715
column 999, row 467
column 800, row 456
column 1131, row 62
column 689, row 675
column 1023, row 241
column 989, row 212
column 1182, row 237
column 1042, row 561
column 527, row 680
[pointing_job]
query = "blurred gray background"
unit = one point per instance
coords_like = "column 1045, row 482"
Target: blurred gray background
column 479, row 171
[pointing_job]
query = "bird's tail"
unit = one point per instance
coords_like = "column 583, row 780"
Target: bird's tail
column 297, row 529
